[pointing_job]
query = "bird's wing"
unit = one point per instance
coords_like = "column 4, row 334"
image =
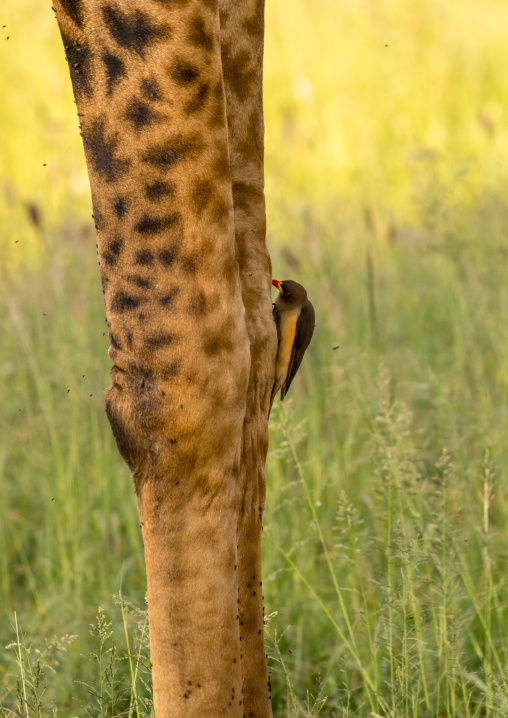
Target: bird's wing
column 303, row 335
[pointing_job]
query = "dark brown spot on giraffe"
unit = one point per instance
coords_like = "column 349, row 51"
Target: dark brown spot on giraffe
column 220, row 166
column 144, row 257
column 214, row 344
column 115, row 70
column 123, row 302
column 159, row 189
column 133, row 31
column 120, row 207
column 110, row 257
column 174, row 151
column 224, row 17
column 172, row 4
column 158, row 340
column 139, row 281
column 255, row 25
column 199, row 100
column 240, row 75
column 197, row 34
column 140, row 114
column 74, row 9
column 150, row 89
column 198, row 303
column 116, row 246
column 167, row 257
column 102, row 150
column 244, row 194
column 170, row 370
column 167, row 299
column 79, row 58
column 202, row 194
column 137, row 370
column 154, row 225
column 183, row 72
column 251, row 142
column 189, row 263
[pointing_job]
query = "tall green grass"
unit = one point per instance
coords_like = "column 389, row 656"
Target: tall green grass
column 385, row 532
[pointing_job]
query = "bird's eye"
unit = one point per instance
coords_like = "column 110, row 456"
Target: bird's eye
column 288, row 293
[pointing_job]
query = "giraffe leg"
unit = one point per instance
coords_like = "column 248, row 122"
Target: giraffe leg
column 242, row 34
column 147, row 80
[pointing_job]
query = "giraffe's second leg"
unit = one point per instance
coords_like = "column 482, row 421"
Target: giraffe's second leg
column 242, row 30
column 147, row 80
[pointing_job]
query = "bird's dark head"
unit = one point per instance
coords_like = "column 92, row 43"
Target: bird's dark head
column 292, row 294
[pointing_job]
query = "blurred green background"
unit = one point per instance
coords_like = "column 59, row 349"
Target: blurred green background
column 386, row 523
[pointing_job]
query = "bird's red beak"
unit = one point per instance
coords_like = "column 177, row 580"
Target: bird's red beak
column 277, row 284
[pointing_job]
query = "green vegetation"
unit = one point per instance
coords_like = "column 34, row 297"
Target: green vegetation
column 386, row 525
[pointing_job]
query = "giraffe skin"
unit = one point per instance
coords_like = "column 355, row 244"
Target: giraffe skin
column 168, row 94
column 242, row 33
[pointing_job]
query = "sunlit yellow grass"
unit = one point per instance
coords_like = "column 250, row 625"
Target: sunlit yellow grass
column 355, row 91
column 354, row 94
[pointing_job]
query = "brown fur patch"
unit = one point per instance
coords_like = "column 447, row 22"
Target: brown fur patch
column 198, row 35
column 158, row 340
column 79, row 58
column 255, row 25
column 167, row 300
column 155, row 225
column 198, row 304
column 144, row 257
column 171, row 370
column 123, row 302
column 113, row 252
column 75, row 10
column 102, row 148
column 199, row 100
column 172, row 4
column 150, row 88
column 139, row 281
column 202, row 194
column 159, row 189
column 140, row 114
column 167, row 256
column 220, row 166
column 115, row 70
column 120, row 207
column 134, row 31
column 174, row 151
column 183, row 72
column 217, row 342
column 241, row 75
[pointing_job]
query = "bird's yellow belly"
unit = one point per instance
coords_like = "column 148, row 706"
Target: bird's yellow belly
column 287, row 337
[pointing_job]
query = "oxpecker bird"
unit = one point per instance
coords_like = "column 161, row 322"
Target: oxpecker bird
column 294, row 316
